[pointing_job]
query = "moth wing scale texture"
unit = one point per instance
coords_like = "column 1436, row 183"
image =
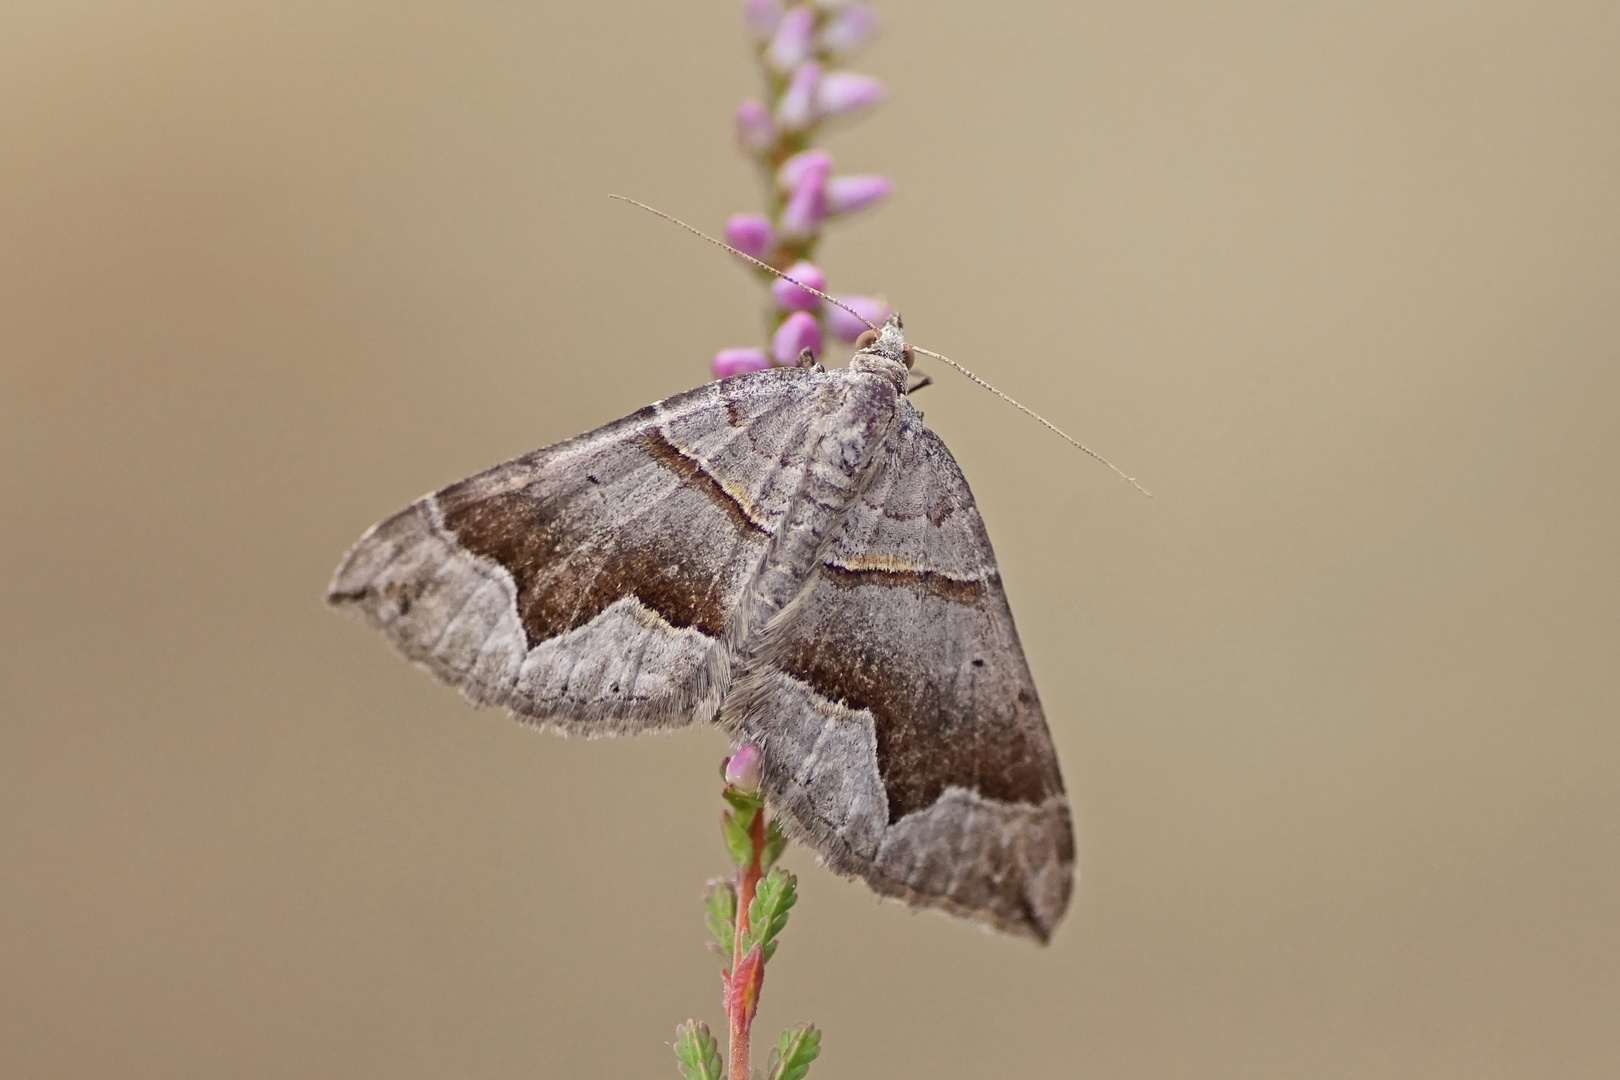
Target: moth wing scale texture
column 903, row 733
column 584, row 585
column 793, row 554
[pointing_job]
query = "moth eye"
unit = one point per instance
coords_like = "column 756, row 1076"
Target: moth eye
column 866, row 338
column 911, row 358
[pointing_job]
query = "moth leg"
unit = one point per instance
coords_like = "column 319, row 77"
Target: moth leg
column 922, row 379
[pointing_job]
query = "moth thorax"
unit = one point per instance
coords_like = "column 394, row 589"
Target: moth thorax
column 878, row 364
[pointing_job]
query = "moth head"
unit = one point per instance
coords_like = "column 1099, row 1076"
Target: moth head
column 888, row 342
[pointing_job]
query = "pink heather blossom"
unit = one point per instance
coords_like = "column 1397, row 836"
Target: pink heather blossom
column 848, row 29
column 791, row 45
column 847, row 327
column 789, row 297
column 800, row 165
column 841, row 92
column 806, row 208
column 761, row 17
column 755, row 132
column 750, row 234
column 799, row 331
column 846, row 194
column 728, row 362
column 797, row 109
column 794, row 39
column 743, row 769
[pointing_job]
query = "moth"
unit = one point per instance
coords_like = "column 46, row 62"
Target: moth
column 793, row 555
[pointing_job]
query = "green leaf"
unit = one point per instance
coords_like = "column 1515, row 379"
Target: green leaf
column 768, row 914
column 697, row 1052
column 738, row 842
column 795, row 1050
column 775, row 842
column 720, row 912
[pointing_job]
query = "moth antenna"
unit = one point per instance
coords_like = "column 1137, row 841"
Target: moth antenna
column 695, row 231
column 1032, row 414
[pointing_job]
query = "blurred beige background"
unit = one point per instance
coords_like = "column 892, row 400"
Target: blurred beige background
column 1338, row 709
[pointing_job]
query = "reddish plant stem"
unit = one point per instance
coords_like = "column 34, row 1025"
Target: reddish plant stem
column 739, row 1015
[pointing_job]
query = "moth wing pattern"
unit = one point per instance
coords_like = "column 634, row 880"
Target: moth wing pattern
column 902, row 733
column 732, row 554
column 584, row 585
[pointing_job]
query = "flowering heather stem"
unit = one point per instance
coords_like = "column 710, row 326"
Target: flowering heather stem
column 801, row 46
column 746, row 915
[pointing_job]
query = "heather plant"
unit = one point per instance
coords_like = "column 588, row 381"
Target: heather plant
column 746, row 916
column 800, row 48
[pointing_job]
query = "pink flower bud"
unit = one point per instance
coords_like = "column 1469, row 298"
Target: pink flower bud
column 846, row 194
column 761, row 17
column 728, row 362
column 744, row 768
column 805, row 209
column 841, row 92
column 849, row 29
column 800, row 165
column 755, row 132
column 797, row 109
column 847, row 327
column 791, row 45
column 750, row 234
column 798, row 332
column 789, row 297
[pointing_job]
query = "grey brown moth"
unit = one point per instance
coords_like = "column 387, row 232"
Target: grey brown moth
column 788, row 553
